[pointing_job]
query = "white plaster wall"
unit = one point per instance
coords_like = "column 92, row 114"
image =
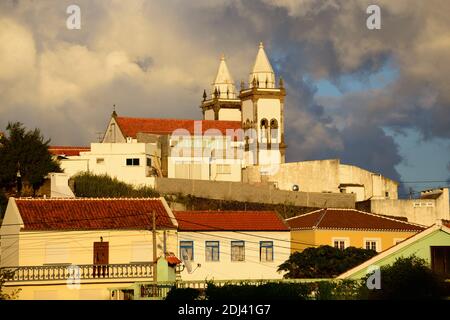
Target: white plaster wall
column 229, row 114
column 247, row 110
column 225, row 269
column 114, row 157
column 209, row 114
column 9, row 235
column 78, row 245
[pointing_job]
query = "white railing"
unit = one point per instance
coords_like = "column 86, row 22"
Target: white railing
column 82, row 272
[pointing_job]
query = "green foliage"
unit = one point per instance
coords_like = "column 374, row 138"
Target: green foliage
column 323, row 262
column 3, row 203
column 183, row 294
column 7, row 274
column 338, row 290
column 103, row 186
column 267, row 291
column 27, row 151
column 407, row 278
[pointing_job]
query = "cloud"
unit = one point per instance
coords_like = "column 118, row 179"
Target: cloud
column 154, row 58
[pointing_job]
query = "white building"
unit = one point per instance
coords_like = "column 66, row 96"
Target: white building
column 231, row 245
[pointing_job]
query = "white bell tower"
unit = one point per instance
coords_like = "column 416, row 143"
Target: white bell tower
column 263, row 114
column 223, row 103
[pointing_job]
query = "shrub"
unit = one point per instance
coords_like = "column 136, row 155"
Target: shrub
column 261, row 292
column 323, row 262
column 407, row 278
column 183, row 294
column 103, row 186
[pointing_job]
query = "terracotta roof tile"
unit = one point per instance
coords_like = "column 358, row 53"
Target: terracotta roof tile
column 229, row 221
column 92, row 214
column 67, row 150
column 130, row 127
column 349, row 219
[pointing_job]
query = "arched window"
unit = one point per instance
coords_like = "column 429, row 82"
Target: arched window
column 274, row 124
column 264, row 123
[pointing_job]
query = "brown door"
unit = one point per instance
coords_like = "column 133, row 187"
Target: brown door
column 101, row 259
column 440, row 260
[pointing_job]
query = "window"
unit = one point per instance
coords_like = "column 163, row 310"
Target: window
column 223, row 169
column 132, row 161
column 372, row 244
column 386, row 194
column 187, row 250
column 212, row 250
column 340, row 243
column 237, row 251
column 100, row 160
column 266, row 251
column 149, row 162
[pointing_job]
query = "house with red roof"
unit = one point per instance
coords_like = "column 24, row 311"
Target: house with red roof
column 342, row 228
column 80, row 248
column 227, row 245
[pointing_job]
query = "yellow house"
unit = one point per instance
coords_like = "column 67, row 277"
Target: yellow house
column 81, row 248
column 343, row 228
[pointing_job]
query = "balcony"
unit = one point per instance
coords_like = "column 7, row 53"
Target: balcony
column 78, row 272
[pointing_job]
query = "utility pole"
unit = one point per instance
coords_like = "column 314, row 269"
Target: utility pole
column 155, row 267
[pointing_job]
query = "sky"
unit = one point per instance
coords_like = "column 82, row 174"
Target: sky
column 378, row 99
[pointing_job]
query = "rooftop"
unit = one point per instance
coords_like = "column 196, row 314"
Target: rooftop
column 230, row 221
column 130, row 127
column 349, row 219
column 93, row 214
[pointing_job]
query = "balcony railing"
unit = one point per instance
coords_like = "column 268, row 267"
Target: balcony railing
column 78, row 272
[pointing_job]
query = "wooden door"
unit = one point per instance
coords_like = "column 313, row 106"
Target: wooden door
column 101, row 259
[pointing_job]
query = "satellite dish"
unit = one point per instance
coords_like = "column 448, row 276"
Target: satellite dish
column 186, row 261
column 295, row 187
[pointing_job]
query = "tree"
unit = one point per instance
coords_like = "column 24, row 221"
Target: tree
column 407, row 278
column 4, row 275
column 26, row 152
column 324, row 261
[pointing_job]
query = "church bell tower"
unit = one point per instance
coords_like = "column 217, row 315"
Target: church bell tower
column 263, row 114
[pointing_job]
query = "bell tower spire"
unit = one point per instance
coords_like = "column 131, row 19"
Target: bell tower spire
column 262, row 70
column 223, row 103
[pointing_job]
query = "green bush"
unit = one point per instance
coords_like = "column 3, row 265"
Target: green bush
column 183, row 294
column 324, row 262
column 338, row 290
column 407, row 278
column 267, row 291
column 103, row 186
column 3, row 204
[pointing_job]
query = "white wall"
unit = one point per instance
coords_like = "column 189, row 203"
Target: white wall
column 114, row 157
column 229, row 114
column 225, row 269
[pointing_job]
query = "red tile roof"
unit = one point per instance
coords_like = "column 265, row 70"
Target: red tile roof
column 130, row 127
column 92, row 214
column 67, row 151
column 229, row 221
column 349, row 219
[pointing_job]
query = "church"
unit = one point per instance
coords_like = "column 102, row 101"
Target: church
column 240, row 128
column 241, row 138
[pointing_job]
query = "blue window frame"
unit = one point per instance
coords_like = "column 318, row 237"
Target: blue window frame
column 187, row 250
column 212, row 250
column 266, row 251
column 237, row 251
